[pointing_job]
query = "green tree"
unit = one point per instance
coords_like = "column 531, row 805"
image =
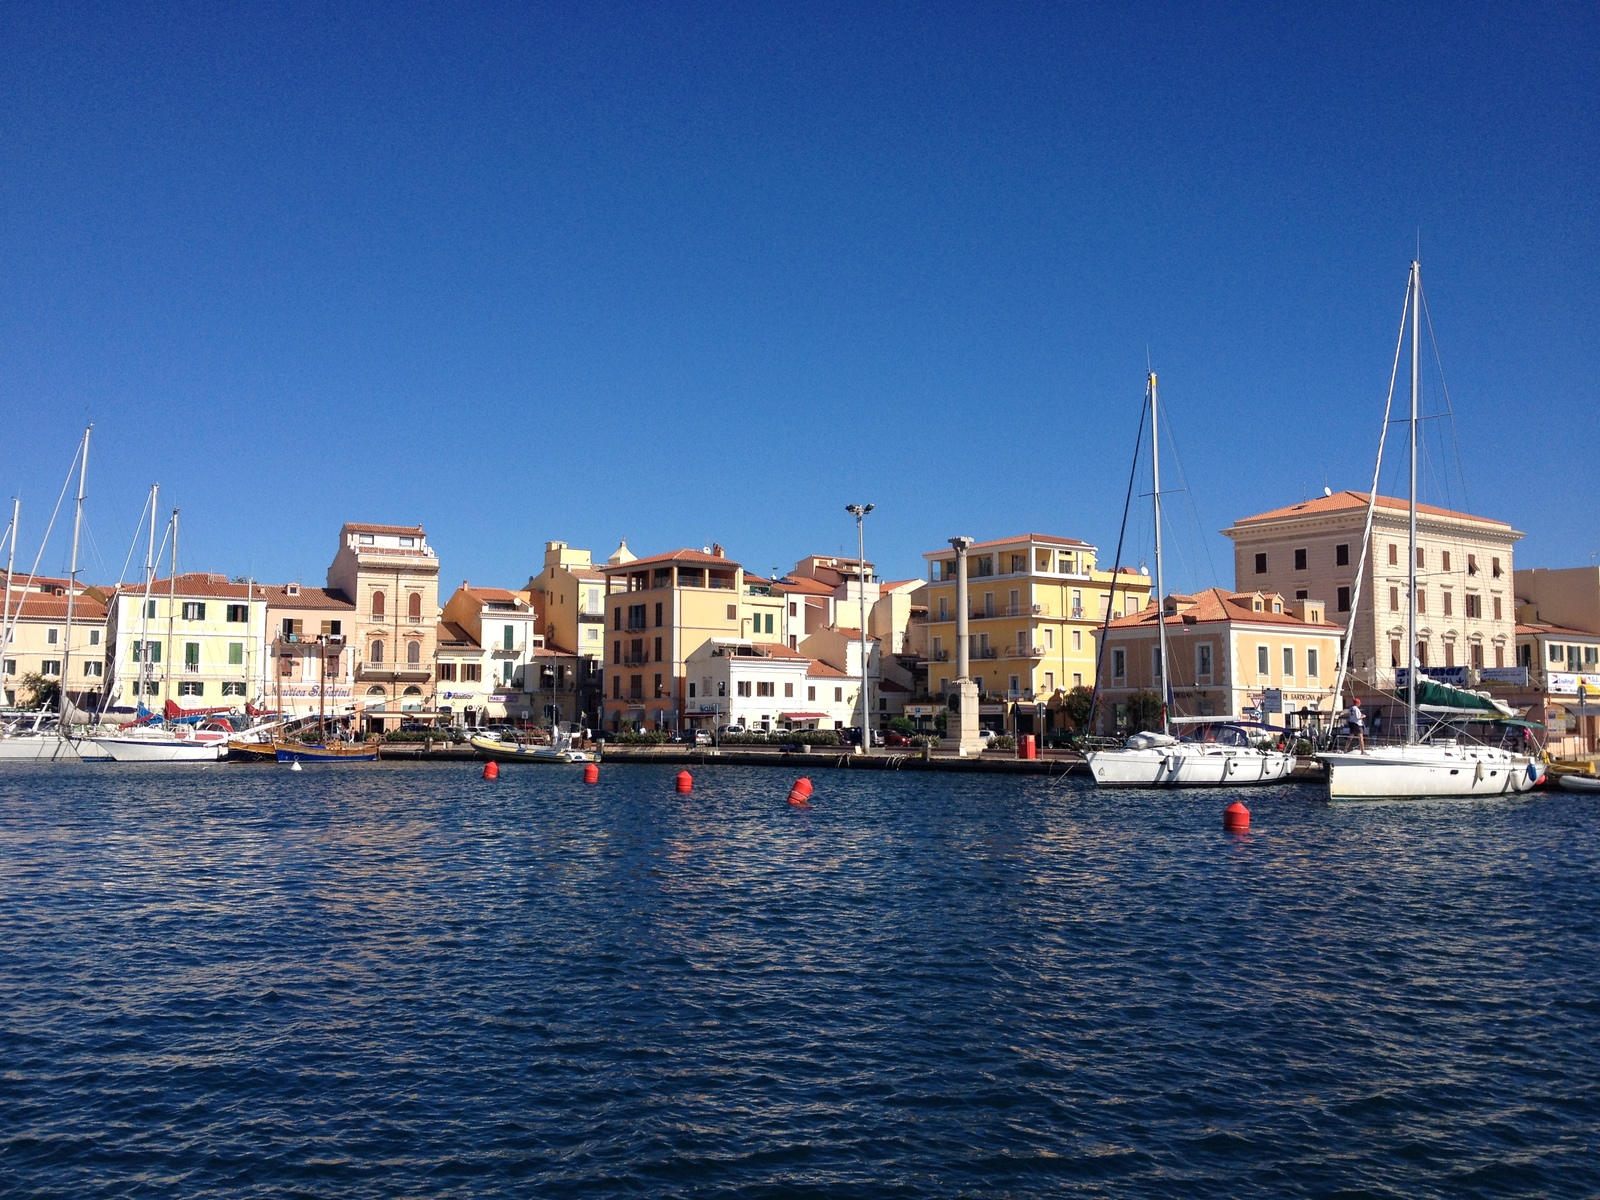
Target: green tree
column 43, row 691
column 1144, row 711
column 902, row 725
column 1077, row 705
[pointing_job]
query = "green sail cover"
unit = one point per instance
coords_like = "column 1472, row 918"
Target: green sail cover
column 1437, row 695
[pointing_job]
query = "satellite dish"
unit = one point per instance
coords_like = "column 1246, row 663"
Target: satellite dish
column 1327, row 491
column 1145, row 571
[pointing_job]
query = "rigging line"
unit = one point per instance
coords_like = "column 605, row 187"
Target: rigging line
column 1366, row 532
column 1449, row 408
column 10, row 619
column 1116, row 569
column 1188, row 495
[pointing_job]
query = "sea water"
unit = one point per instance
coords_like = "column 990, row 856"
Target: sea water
column 399, row 980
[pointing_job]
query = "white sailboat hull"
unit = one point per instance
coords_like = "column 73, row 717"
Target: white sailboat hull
column 1186, row 765
column 38, row 747
column 1386, row 772
column 161, row 750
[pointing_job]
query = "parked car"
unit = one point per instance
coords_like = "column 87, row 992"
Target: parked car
column 725, row 730
column 986, row 736
column 893, row 738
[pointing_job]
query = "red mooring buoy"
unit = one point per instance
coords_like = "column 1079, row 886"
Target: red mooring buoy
column 685, row 783
column 1236, row 818
column 591, row 773
column 491, row 769
column 800, row 793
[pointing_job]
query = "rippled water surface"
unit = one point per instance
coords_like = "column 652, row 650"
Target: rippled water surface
column 400, row 981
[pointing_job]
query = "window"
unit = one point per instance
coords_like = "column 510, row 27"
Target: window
column 592, row 634
column 191, row 687
column 1302, row 594
column 1261, row 564
column 52, row 637
column 838, row 695
column 1499, row 656
column 1049, row 681
column 377, row 652
column 944, row 608
column 11, row 666
column 194, row 610
column 658, row 614
column 1202, row 660
column 236, row 654
column 1394, row 554
column 788, row 691
column 1472, row 564
column 1119, row 664
column 1019, row 563
column 1394, row 652
column 151, row 688
column 1155, row 661
column 1077, row 679
column 191, row 656
column 1312, row 664
column 1447, row 601
column 1394, row 599
column 742, row 688
column 1341, row 600
column 635, row 687
column 447, row 672
column 1341, row 555
column 616, row 653
column 1474, row 605
column 93, row 667
column 1262, row 665
column 364, row 538
column 1422, row 557
column 1494, row 567
column 1497, row 608
column 377, row 606
column 407, row 542
column 154, row 649
column 616, row 687
column 150, row 609
column 1299, row 560
column 233, row 689
column 1077, row 639
column 636, row 616
column 1422, row 600
column 733, row 612
column 769, row 622
column 983, row 564
column 1422, row 654
column 1444, row 560
column 238, row 614
column 658, row 649
column 766, row 688
column 1556, row 653
column 94, row 637
column 811, row 693
column 50, row 666
column 286, row 666
column 691, row 689
column 1288, row 662
column 616, row 619
column 471, row 672
column 414, row 654
column 1449, row 654
column 660, row 691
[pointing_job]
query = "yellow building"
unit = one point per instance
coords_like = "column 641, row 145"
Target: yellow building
column 1035, row 602
column 662, row 610
column 37, row 644
column 1233, row 654
column 198, row 640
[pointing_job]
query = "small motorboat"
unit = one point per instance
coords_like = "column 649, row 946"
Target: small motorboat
column 1579, row 783
column 559, row 752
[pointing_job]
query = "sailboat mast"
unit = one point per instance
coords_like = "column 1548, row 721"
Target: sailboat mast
column 146, row 673
column 11, row 566
column 1161, row 590
column 1416, row 375
column 72, row 576
column 172, row 604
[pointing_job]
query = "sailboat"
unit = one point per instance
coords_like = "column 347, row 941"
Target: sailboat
column 1440, row 762
column 1157, row 758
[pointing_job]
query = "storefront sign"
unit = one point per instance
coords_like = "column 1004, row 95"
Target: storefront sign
column 1517, row 676
column 1565, row 683
column 310, row 691
column 1449, row 676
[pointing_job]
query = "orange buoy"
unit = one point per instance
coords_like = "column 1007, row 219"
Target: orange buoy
column 491, row 769
column 591, row 773
column 1236, row 818
column 685, row 783
column 800, row 793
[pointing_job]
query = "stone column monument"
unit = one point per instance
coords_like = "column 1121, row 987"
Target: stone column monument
column 962, row 735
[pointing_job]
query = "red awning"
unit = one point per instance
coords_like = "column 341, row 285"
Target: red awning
column 804, row 716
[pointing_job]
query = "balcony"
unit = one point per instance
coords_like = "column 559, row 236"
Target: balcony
column 513, row 652
column 635, row 660
column 397, row 672
column 1009, row 610
column 191, row 668
column 1024, row 651
column 985, row 652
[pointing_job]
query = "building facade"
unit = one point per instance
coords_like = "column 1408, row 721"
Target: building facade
column 1036, row 601
column 310, row 669
column 570, row 597
column 1465, row 599
column 196, row 640
column 1247, row 655
column 391, row 575
column 37, row 642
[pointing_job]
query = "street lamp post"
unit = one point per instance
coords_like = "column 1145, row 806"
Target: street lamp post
column 859, row 512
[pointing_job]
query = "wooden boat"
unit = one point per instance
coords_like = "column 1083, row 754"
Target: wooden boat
column 241, row 750
column 330, row 752
column 524, row 752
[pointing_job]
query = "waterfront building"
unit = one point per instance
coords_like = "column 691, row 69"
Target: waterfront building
column 38, row 643
column 663, row 609
column 311, row 668
column 1557, row 684
column 203, row 637
column 506, row 628
column 392, row 576
column 1465, row 599
column 463, row 678
column 1247, row 655
column 1035, row 603
column 569, row 595
column 759, row 685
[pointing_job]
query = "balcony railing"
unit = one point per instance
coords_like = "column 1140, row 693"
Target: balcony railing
column 1024, row 651
column 192, row 668
column 985, row 652
column 635, row 660
column 508, row 652
column 1009, row 610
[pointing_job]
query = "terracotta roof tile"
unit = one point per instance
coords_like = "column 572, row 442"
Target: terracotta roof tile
column 453, row 637
column 696, row 558
column 309, row 597
column 37, row 606
column 1022, row 538
column 817, row 669
column 776, row 650
column 1341, row 501
column 1214, row 604
column 398, row 530
column 1533, row 628
column 804, row 586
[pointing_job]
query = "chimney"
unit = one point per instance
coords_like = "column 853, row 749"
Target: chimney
column 716, row 549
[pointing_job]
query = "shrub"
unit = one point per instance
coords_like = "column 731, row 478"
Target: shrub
column 642, row 738
column 1004, row 742
column 902, row 725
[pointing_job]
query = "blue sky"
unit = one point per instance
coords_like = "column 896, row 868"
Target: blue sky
column 684, row 273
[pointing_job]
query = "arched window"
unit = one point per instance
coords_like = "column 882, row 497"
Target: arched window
column 413, row 691
column 414, row 606
column 414, row 654
column 377, row 606
column 377, row 652
column 376, row 690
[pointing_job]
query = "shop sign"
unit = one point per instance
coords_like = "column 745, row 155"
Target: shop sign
column 1566, row 683
column 310, row 691
column 1272, row 700
column 1517, row 676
